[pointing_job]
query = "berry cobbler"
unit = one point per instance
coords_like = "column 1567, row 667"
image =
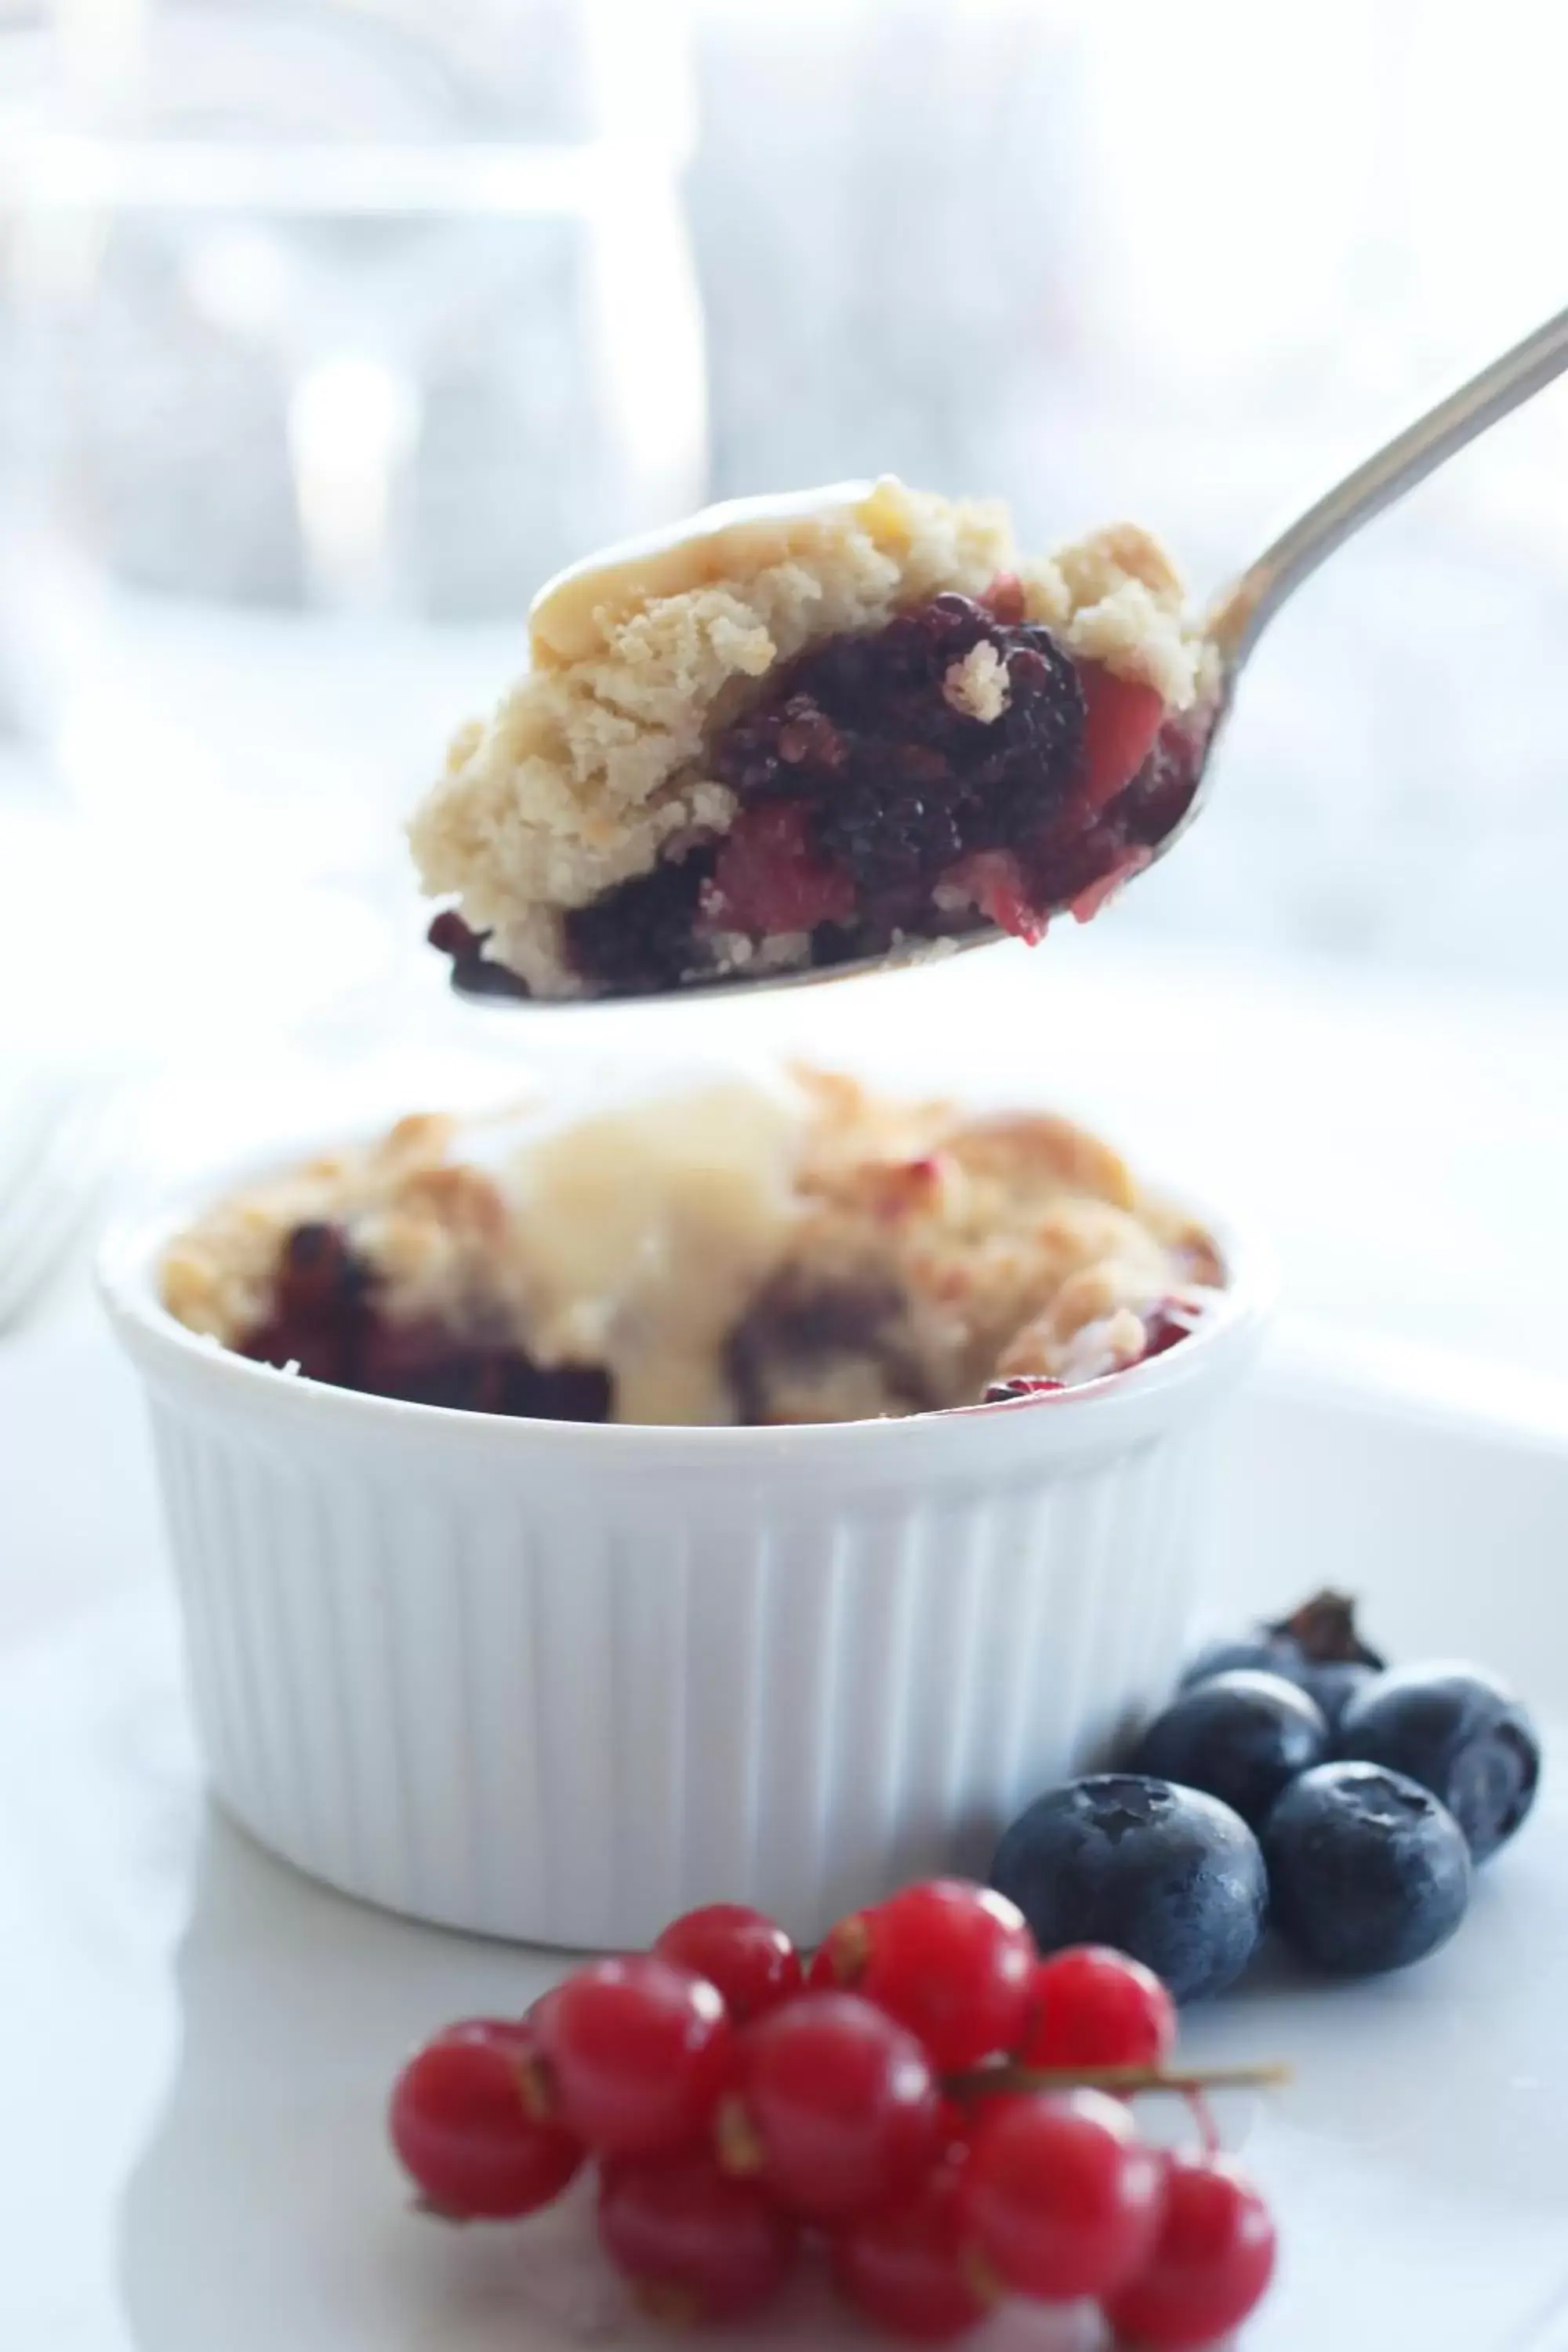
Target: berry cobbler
column 803, row 730
column 747, row 1250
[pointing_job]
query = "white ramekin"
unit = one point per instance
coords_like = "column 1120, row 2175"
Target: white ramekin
column 561, row 1682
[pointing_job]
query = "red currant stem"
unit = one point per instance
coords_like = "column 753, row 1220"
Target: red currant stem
column 982, row 2278
column 428, row 2210
column 536, row 2088
column 671, row 2305
column 850, row 1948
column 980, row 2082
column 740, row 2151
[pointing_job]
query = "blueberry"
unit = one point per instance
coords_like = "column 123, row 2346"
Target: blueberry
column 1459, row 1731
column 1240, row 1737
column 1264, row 1654
column 1366, row 1870
column 1335, row 1683
column 1318, row 1645
column 1167, row 1874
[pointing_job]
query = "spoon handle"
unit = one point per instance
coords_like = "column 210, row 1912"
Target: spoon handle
column 1251, row 601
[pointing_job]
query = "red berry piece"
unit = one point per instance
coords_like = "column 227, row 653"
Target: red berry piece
column 461, row 2127
column 745, row 1954
column 950, row 1960
column 770, row 879
column 905, row 2266
column 695, row 2243
column 953, row 2118
column 995, row 880
column 821, row 1976
column 1005, row 598
column 1211, row 2262
column 1019, row 1386
column 1060, row 2196
column 1121, row 719
column 962, row 2121
column 533, row 2014
column 635, row 2055
column 1090, row 2006
column 1171, row 1319
column 834, row 2106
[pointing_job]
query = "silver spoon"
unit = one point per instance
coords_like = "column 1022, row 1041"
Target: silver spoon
column 1241, row 613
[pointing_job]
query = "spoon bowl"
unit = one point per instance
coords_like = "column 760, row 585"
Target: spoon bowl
column 505, row 989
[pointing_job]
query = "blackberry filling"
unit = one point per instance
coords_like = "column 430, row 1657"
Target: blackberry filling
column 877, row 802
column 902, row 781
column 472, row 973
column 641, row 937
column 799, row 1331
column 638, row 940
column 324, row 1318
column 320, row 1308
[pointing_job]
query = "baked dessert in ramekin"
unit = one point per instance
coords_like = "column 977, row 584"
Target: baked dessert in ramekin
column 808, row 1618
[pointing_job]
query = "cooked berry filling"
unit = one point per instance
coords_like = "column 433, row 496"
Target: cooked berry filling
column 640, row 937
column 799, row 1331
column 877, row 801
column 473, row 972
column 324, row 1318
column 801, row 1335
column 1170, row 1320
column 638, row 940
column 899, row 780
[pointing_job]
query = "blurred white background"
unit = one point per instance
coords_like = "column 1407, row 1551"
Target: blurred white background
column 328, row 328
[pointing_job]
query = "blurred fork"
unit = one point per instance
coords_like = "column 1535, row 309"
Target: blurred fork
column 60, row 1135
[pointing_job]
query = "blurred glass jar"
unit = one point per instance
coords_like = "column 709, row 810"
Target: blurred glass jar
column 328, row 337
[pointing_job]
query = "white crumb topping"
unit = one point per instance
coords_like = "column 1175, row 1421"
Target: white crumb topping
column 977, row 686
column 1116, row 597
column 1128, row 631
column 1096, row 567
column 1107, row 1344
column 594, row 763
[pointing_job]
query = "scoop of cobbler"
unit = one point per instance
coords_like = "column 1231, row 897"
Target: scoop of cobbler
column 755, row 1251
column 803, row 730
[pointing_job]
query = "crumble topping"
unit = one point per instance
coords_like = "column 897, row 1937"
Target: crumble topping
column 595, row 763
column 433, row 1224
column 978, row 685
column 775, row 1251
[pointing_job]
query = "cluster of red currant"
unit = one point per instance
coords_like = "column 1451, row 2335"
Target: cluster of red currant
column 930, row 2095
